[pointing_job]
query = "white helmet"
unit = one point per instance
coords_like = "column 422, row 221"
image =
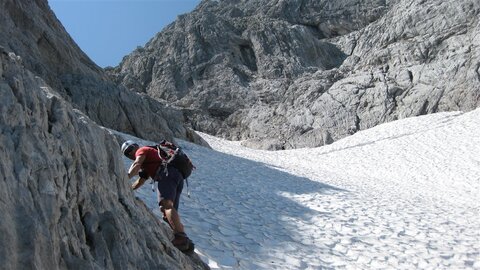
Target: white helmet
column 128, row 146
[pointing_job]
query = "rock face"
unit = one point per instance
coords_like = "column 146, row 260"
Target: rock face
column 31, row 30
column 303, row 73
column 64, row 196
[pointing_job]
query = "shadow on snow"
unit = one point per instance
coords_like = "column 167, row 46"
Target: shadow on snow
column 240, row 204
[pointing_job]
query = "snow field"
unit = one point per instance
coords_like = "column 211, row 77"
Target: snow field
column 403, row 195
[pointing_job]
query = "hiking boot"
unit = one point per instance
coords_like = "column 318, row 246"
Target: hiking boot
column 183, row 243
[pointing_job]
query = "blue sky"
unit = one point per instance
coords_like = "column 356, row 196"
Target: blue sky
column 107, row 30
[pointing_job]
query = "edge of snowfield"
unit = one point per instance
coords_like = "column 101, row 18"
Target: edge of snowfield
column 403, row 195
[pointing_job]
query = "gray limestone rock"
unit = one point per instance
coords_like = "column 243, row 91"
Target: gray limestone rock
column 31, row 31
column 64, row 197
column 301, row 73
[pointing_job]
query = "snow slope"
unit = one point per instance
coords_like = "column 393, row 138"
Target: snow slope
column 403, row 195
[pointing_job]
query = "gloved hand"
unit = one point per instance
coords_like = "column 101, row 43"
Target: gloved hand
column 143, row 174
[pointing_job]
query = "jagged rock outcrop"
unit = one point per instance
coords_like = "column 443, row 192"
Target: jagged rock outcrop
column 64, row 197
column 302, row 73
column 31, row 30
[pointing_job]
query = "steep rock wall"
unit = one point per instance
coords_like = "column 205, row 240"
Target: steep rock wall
column 64, row 197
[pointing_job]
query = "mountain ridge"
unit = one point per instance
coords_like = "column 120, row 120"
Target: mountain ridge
column 288, row 74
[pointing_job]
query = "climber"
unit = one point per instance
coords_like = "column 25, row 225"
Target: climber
column 148, row 164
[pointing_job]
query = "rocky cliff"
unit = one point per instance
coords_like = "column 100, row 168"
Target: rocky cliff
column 302, row 73
column 31, row 31
column 64, row 197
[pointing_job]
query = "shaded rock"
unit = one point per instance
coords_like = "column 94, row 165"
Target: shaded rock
column 64, row 197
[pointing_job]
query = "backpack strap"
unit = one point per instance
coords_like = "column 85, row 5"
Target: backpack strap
column 188, row 190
